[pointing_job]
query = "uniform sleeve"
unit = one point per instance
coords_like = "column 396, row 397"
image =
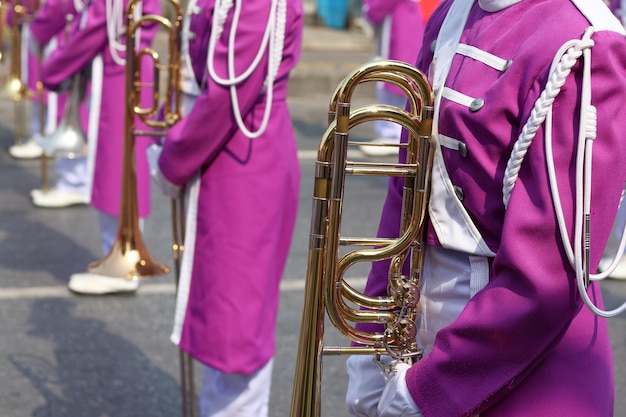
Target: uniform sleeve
column 83, row 45
column 376, row 10
column 30, row 7
column 508, row 327
column 50, row 20
column 195, row 141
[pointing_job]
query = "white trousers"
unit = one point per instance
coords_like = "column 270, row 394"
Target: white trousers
column 71, row 174
column 35, row 123
column 236, row 395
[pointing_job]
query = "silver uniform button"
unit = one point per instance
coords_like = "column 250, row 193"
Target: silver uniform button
column 459, row 193
column 476, row 104
column 462, row 149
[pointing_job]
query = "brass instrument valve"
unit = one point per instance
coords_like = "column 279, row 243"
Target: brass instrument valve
column 405, row 293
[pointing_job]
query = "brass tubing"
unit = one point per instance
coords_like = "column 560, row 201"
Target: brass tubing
column 42, row 121
column 326, row 292
column 129, row 258
column 187, row 391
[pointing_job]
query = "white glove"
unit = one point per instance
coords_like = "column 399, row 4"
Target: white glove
column 366, row 382
column 171, row 190
column 396, row 401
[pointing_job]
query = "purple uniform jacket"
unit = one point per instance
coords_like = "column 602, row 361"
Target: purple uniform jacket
column 50, row 20
column 403, row 38
column 84, row 44
column 524, row 345
column 247, row 197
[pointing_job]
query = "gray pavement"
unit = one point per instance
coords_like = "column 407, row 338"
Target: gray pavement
column 63, row 355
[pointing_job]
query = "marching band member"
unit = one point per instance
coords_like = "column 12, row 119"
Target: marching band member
column 26, row 148
column 394, row 20
column 504, row 321
column 235, row 154
column 96, row 42
column 49, row 30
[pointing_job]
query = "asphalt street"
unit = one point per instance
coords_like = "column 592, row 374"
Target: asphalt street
column 65, row 355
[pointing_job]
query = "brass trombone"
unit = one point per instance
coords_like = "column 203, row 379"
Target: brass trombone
column 3, row 20
column 69, row 140
column 327, row 294
column 13, row 84
column 128, row 257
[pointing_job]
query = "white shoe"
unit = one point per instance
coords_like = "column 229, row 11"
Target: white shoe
column 86, row 283
column 56, row 198
column 26, row 150
column 378, row 149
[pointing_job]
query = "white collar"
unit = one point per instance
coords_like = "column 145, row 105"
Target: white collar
column 496, row 5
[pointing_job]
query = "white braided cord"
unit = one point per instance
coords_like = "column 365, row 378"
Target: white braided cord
column 578, row 250
column 116, row 28
column 273, row 42
column 567, row 55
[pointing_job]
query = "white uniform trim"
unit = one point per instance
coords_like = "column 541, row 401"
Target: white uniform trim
column 25, row 45
column 452, row 223
column 599, row 15
column 184, row 280
column 385, row 37
column 449, row 143
column 457, row 97
column 95, row 104
column 485, row 57
column 496, row 5
column 189, row 85
column 52, row 113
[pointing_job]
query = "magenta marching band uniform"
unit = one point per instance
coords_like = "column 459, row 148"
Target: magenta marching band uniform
column 107, row 102
column 519, row 342
column 242, row 195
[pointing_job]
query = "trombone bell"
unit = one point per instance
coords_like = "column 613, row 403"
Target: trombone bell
column 128, row 259
column 14, row 90
column 67, row 141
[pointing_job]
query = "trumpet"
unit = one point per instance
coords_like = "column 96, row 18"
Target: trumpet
column 327, row 294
